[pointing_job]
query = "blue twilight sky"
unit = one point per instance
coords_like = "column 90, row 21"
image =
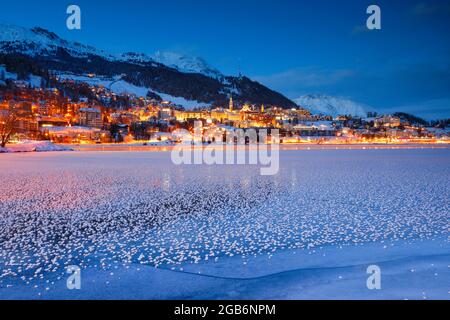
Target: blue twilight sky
column 293, row 46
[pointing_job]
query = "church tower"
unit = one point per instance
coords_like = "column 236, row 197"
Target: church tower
column 262, row 108
column 231, row 106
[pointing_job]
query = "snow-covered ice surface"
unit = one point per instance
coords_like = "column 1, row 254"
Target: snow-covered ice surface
column 143, row 228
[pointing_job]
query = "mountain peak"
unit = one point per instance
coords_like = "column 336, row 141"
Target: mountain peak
column 45, row 41
column 185, row 63
column 39, row 41
column 164, row 73
column 333, row 106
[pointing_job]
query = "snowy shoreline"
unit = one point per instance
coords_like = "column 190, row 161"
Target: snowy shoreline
column 47, row 146
column 34, row 146
column 283, row 147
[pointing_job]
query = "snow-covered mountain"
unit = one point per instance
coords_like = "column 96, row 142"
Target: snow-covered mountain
column 185, row 63
column 38, row 41
column 333, row 106
column 25, row 50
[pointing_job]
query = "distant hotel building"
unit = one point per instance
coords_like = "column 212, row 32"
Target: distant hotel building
column 90, row 117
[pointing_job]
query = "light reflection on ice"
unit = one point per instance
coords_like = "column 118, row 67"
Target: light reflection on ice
column 107, row 209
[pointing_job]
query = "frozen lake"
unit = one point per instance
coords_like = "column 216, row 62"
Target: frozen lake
column 140, row 227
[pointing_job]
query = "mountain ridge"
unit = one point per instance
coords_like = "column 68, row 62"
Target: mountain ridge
column 333, row 106
column 189, row 78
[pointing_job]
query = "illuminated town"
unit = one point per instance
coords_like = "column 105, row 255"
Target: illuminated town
column 56, row 112
column 237, row 151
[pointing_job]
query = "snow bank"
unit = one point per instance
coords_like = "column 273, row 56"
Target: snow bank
column 35, row 146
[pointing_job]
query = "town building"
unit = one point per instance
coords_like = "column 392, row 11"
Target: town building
column 90, row 117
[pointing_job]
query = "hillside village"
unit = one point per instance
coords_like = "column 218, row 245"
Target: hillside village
column 67, row 111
